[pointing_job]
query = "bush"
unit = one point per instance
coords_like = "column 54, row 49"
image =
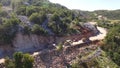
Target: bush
column 37, row 18
column 59, row 47
column 36, row 29
column 8, row 30
column 9, row 63
column 53, row 27
column 3, row 14
column 26, row 30
column 55, row 17
column 21, row 10
column 112, row 44
column 20, row 61
column 31, row 9
column 18, row 56
column 75, row 65
column 28, row 61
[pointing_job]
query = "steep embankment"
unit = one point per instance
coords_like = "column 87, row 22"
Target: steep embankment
column 30, row 43
column 33, row 42
column 65, row 57
column 61, row 59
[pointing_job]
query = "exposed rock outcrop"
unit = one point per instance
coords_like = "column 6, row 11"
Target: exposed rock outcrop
column 61, row 59
column 31, row 42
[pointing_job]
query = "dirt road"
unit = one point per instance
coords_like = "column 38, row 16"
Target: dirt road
column 100, row 36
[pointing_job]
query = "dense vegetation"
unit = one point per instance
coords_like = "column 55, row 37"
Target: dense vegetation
column 112, row 44
column 20, row 61
column 101, row 61
column 110, row 14
column 47, row 18
column 8, row 30
column 57, row 21
column 106, row 24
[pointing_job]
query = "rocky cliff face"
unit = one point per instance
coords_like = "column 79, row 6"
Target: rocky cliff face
column 31, row 42
column 27, row 43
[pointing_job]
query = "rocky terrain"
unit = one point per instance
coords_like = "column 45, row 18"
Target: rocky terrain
column 64, row 58
column 57, row 37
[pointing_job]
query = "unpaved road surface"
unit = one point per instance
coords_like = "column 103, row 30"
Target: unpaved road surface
column 100, row 36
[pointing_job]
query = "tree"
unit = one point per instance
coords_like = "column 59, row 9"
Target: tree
column 0, row 7
column 26, row 30
column 8, row 30
column 59, row 47
column 28, row 61
column 21, row 11
column 113, row 36
column 38, row 18
column 55, row 17
column 35, row 18
column 36, row 29
column 43, row 16
column 75, row 65
column 30, row 10
column 18, row 56
column 9, row 63
column 3, row 13
column 23, row 60
column 55, row 27
column 112, row 44
column 16, row 4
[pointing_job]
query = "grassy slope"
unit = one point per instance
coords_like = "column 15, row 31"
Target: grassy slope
column 102, row 61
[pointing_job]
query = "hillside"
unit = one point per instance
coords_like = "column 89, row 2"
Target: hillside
column 110, row 14
column 39, row 19
column 58, row 37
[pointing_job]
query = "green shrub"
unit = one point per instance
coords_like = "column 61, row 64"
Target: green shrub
column 8, row 30
column 18, row 56
column 59, row 47
column 21, row 10
column 112, row 44
column 20, row 61
column 75, row 65
column 3, row 14
column 9, row 63
column 37, row 18
column 36, row 29
column 55, row 17
column 28, row 61
column 26, row 30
